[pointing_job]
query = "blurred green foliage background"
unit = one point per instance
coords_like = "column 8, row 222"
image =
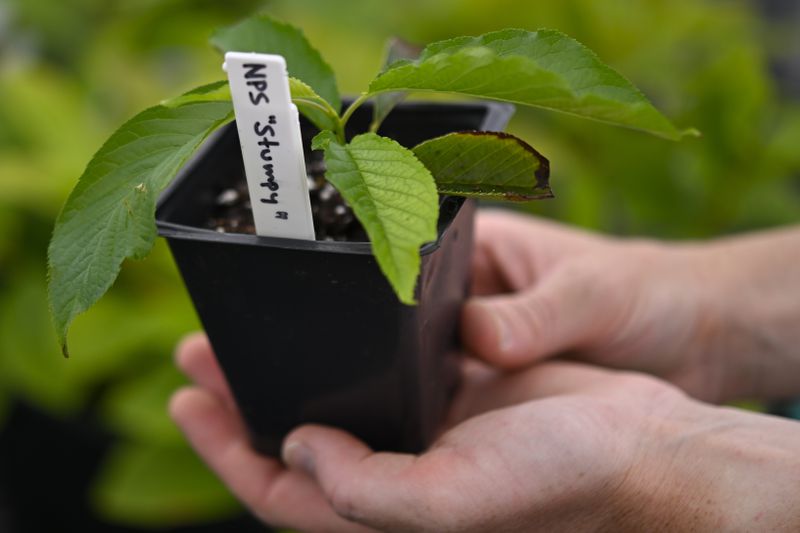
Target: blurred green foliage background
column 72, row 71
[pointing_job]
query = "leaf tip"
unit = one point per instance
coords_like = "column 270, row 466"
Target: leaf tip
column 407, row 299
column 61, row 332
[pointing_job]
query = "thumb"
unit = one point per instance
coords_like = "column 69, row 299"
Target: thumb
column 360, row 485
column 514, row 330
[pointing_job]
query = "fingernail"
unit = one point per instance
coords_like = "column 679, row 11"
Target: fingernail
column 298, row 456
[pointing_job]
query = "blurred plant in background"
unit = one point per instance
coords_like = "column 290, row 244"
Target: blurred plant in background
column 71, row 72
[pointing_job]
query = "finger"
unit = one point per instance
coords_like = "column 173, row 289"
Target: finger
column 486, row 274
column 485, row 390
column 219, row 438
column 496, row 266
column 513, row 250
column 278, row 496
column 195, row 358
column 514, row 330
column 296, row 502
column 389, row 491
column 380, row 490
column 474, row 375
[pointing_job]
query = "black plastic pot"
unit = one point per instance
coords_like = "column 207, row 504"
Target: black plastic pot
column 311, row 331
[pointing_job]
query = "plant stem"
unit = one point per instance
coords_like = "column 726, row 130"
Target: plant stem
column 349, row 112
column 340, row 130
column 374, row 125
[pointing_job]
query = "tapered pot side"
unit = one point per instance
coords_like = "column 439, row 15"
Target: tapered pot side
column 311, row 331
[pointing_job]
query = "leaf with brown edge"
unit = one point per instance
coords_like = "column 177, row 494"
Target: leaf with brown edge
column 486, row 164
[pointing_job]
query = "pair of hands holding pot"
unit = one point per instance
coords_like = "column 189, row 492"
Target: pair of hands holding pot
column 532, row 444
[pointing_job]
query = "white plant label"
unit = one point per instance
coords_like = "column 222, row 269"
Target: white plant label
column 272, row 149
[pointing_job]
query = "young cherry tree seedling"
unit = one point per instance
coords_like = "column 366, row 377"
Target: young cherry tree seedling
column 392, row 190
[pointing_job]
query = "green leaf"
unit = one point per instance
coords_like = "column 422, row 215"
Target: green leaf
column 542, row 68
column 153, row 486
column 218, row 91
column 266, row 35
column 396, row 49
column 30, row 366
column 394, row 197
column 486, row 164
column 313, row 106
column 109, row 216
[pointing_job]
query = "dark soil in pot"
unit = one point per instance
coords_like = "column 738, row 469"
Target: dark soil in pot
column 333, row 218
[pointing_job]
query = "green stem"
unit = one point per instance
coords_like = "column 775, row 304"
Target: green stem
column 340, row 130
column 348, row 113
column 374, row 125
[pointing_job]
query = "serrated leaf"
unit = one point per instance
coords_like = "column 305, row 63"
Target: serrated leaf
column 156, row 486
column 218, row 91
column 109, row 216
column 266, row 35
column 542, row 68
column 486, row 164
column 396, row 49
column 394, row 197
column 313, row 106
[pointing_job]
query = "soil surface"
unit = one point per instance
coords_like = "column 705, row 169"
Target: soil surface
column 333, row 218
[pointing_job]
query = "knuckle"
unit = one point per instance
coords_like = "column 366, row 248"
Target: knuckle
column 344, row 501
column 539, row 312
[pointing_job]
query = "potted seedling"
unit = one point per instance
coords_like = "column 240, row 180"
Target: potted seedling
column 356, row 328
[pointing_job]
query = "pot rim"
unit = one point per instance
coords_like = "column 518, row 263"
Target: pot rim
column 497, row 113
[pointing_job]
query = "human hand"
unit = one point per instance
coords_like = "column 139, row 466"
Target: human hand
column 717, row 319
column 556, row 447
